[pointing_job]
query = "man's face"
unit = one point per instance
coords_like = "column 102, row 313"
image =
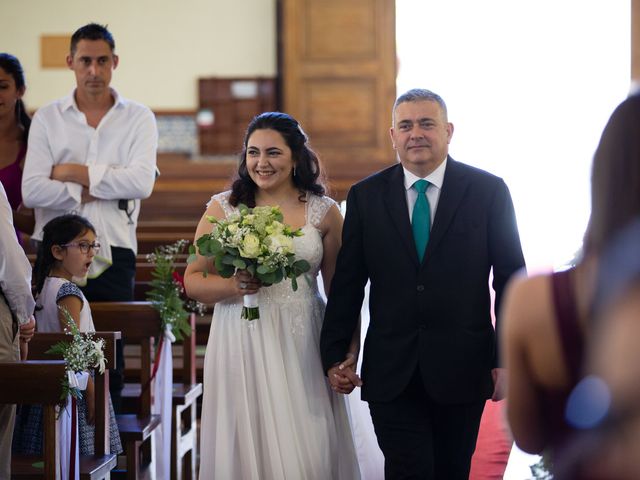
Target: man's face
column 421, row 136
column 92, row 63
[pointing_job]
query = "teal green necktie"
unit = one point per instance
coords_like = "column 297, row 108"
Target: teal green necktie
column 421, row 218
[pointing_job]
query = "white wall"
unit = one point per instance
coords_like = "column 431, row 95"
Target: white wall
column 164, row 45
column 529, row 85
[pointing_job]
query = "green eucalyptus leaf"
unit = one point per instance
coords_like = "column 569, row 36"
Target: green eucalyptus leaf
column 239, row 263
column 226, row 271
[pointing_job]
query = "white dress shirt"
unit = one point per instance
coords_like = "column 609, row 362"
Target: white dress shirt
column 121, row 158
column 15, row 270
column 435, row 179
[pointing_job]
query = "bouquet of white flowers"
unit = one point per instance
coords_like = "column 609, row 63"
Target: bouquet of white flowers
column 81, row 354
column 256, row 240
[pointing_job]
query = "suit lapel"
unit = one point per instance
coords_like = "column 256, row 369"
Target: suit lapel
column 396, row 203
column 454, row 186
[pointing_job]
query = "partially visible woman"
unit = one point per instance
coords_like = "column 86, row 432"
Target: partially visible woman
column 14, row 131
column 268, row 411
column 546, row 317
column 611, row 450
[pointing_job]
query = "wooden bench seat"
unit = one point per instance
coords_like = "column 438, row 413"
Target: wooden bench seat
column 138, row 326
column 143, row 325
column 35, row 383
column 97, row 466
column 162, row 226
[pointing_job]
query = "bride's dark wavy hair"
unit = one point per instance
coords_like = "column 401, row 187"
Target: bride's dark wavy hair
column 308, row 175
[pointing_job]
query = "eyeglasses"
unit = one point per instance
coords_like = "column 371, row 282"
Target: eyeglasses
column 84, row 246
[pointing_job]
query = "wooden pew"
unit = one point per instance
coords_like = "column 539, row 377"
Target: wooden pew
column 97, row 466
column 173, row 225
column 140, row 322
column 149, row 241
column 138, row 326
column 184, row 187
column 35, row 383
column 144, row 277
column 186, row 391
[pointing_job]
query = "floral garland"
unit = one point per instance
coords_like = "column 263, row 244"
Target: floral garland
column 167, row 294
column 80, row 355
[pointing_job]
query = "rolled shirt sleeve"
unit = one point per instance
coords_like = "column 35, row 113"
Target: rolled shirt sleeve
column 38, row 189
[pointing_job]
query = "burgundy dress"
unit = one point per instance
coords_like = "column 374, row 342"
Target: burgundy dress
column 11, row 179
column 562, row 435
column 572, row 345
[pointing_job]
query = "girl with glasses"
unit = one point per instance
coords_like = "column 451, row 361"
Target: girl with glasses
column 66, row 252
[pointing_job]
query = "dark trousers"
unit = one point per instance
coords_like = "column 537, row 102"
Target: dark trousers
column 115, row 285
column 422, row 439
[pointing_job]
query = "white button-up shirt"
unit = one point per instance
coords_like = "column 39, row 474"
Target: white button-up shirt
column 120, row 155
column 15, row 270
column 435, row 179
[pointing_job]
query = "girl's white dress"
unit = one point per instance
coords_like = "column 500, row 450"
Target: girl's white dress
column 55, row 288
column 268, row 411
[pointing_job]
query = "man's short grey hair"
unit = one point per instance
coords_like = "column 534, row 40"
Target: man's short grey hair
column 419, row 95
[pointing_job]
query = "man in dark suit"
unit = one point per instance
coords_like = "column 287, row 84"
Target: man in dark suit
column 430, row 359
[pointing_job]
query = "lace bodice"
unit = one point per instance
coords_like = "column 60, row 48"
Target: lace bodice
column 308, row 247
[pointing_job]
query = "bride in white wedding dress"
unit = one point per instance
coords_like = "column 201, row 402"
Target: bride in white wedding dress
column 268, row 410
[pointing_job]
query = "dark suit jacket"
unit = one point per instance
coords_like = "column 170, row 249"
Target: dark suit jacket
column 435, row 314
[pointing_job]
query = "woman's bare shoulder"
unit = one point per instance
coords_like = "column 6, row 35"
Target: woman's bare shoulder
column 527, row 305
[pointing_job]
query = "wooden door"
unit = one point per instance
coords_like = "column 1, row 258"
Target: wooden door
column 338, row 73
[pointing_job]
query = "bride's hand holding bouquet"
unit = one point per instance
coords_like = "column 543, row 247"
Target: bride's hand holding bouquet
column 255, row 246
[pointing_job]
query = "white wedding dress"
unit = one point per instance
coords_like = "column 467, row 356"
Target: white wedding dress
column 268, row 411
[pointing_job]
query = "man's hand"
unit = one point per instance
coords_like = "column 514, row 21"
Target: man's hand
column 499, row 376
column 86, row 196
column 71, row 172
column 27, row 330
column 343, row 377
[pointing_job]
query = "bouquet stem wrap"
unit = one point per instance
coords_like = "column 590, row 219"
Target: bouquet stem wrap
column 250, row 309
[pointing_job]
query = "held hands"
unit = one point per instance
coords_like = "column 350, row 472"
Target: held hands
column 343, row 377
column 246, row 284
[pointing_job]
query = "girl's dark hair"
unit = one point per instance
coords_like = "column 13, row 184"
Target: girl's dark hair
column 11, row 65
column 58, row 231
column 308, row 174
column 615, row 177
